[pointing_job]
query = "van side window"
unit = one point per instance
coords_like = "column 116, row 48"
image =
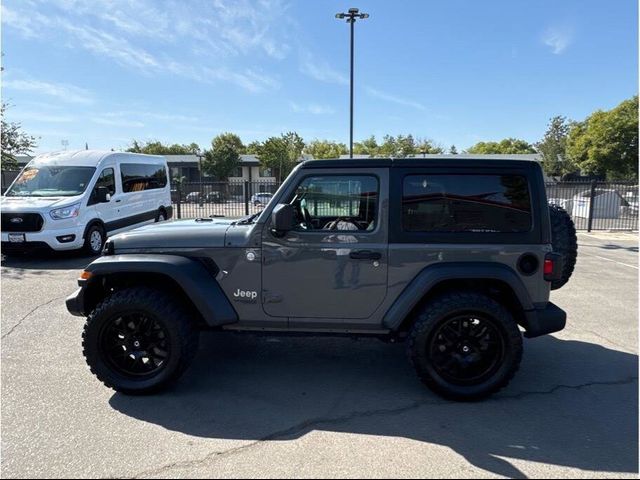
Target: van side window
column 137, row 177
column 106, row 179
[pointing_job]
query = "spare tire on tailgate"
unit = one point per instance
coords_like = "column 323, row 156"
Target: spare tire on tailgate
column 564, row 241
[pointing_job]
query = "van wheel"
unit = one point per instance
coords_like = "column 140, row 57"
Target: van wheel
column 94, row 240
column 162, row 216
column 139, row 340
column 465, row 346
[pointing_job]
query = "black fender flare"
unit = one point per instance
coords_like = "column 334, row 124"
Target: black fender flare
column 430, row 276
column 197, row 282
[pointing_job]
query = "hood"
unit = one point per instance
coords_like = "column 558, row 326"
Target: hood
column 172, row 235
column 17, row 204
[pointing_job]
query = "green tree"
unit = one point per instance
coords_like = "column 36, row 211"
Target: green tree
column 158, row 148
column 281, row 154
column 325, row 149
column 14, row 142
column 367, row 147
column 253, row 148
column 224, row 157
column 508, row 145
column 427, row 146
column 553, row 147
column 606, row 143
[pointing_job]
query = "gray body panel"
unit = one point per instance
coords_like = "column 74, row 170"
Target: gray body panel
column 293, row 281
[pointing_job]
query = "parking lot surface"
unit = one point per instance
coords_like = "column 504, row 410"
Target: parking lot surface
column 268, row 407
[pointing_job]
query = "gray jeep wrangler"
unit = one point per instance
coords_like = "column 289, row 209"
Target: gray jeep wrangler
column 453, row 256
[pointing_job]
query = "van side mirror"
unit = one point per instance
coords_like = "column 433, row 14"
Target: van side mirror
column 282, row 219
column 103, row 195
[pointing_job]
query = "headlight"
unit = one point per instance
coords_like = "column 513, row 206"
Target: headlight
column 65, row 212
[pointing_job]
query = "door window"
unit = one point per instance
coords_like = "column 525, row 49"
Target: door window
column 336, row 202
column 106, row 179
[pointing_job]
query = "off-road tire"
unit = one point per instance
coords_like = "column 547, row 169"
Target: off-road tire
column 439, row 310
column 174, row 317
column 564, row 241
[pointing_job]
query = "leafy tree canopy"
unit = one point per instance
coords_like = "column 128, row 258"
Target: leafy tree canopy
column 158, row 148
column 14, row 142
column 508, row 145
column 553, row 148
column 606, row 142
column 321, row 149
column 224, row 157
column 281, row 154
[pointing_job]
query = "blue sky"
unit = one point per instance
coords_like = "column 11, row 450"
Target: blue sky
column 106, row 72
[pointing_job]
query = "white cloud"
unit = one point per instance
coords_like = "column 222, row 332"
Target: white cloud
column 321, row 70
column 68, row 93
column 312, row 108
column 117, row 122
column 558, row 39
column 394, row 99
column 43, row 117
column 121, row 30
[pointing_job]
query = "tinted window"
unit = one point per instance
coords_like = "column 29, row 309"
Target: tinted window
column 51, row 181
column 466, row 203
column 138, row 176
column 327, row 200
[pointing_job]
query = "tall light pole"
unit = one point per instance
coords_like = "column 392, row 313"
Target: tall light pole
column 351, row 17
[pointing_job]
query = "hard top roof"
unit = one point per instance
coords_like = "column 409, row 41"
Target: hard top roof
column 444, row 161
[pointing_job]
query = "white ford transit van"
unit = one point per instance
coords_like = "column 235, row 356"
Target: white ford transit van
column 73, row 200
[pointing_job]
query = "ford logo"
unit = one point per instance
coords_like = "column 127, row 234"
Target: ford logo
column 16, row 220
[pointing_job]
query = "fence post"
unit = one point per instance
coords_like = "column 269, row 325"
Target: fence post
column 592, row 197
column 246, row 197
column 179, row 201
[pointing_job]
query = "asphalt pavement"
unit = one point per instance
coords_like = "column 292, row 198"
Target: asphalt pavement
column 307, row 407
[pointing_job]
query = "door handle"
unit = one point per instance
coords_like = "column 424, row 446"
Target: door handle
column 365, row 255
column 118, row 200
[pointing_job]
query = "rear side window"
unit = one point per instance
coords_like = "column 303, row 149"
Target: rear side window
column 139, row 176
column 466, row 203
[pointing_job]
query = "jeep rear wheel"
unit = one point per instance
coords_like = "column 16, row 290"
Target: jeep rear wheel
column 139, row 341
column 465, row 346
column 564, row 241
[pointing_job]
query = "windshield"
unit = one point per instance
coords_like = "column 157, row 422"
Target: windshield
column 51, row 181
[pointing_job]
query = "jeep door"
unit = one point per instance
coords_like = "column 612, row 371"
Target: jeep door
column 333, row 264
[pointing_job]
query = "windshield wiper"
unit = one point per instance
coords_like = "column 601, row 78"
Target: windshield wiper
column 246, row 220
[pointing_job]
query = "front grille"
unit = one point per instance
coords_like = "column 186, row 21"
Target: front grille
column 28, row 222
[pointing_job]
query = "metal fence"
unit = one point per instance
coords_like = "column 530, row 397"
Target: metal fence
column 220, row 199
column 598, row 205
column 592, row 205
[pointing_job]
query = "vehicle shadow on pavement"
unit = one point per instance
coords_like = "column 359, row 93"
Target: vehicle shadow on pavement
column 573, row 404
column 38, row 262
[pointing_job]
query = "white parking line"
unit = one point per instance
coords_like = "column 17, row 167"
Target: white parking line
column 608, row 259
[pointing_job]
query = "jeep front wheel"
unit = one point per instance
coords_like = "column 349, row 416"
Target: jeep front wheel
column 138, row 341
column 465, row 346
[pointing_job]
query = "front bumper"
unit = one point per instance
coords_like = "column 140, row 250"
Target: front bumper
column 46, row 238
column 75, row 303
column 543, row 321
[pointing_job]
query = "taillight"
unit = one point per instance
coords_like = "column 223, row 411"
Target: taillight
column 552, row 268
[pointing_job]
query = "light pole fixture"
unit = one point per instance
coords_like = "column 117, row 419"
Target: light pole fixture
column 351, row 17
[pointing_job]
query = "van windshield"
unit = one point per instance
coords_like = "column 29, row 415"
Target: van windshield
column 51, row 181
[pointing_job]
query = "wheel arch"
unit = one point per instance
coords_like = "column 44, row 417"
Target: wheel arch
column 191, row 280
column 497, row 281
column 91, row 223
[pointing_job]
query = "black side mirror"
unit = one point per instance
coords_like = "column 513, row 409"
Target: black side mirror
column 282, row 219
column 102, row 195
